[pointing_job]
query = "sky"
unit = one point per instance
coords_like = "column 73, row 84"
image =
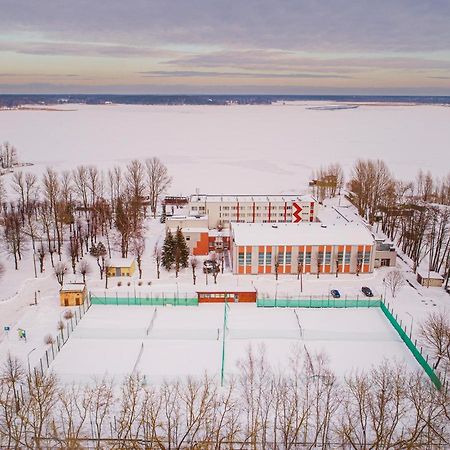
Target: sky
column 224, row 46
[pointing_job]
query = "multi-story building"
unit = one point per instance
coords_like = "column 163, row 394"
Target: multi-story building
column 225, row 209
column 262, row 248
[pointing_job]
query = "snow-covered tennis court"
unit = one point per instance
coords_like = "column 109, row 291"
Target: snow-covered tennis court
column 175, row 342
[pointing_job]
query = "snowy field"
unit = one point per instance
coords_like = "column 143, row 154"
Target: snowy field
column 175, row 342
column 233, row 149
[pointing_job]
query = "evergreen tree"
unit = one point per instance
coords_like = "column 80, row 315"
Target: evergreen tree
column 168, row 251
column 181, row 252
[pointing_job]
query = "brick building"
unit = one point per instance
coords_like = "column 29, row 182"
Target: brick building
column 258, row 248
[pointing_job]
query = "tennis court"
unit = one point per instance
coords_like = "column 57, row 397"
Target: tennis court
column 166, row 342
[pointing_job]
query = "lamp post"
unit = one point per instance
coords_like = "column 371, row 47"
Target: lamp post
column 28, row 359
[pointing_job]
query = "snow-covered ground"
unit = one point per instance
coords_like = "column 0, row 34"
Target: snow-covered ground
column 233, row 149
column 236, row 149
column 187, row 341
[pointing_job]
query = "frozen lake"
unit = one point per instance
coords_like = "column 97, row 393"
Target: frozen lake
column 233, row 149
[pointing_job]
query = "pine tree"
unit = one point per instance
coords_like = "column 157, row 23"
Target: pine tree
column 168, row 251
column 182, row 250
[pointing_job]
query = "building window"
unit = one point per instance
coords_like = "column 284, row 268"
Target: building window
column 367, row 258
column 260, row 258
column 306, row 260
column 348, row 256
column 248, row 258
column 328, row 258
column 288, row 258
column 268, row 258
column 340, row 257
column 241, row 259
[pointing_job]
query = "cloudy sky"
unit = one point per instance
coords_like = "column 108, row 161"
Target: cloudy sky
column 221, row 46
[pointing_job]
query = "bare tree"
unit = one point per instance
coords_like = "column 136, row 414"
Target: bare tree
column 158, row 181
column 435, row 336
column 395, row 280
column 13, row 234
column 84, row 268
column 193, row 261
column 138, row 249
column 41, row 252
column 60, row 270
column 157, row 256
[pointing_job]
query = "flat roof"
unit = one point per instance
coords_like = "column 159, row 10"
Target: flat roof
column 431, row 275
column 120, row 262
column 186, row 217
column 302, row 233
column 73, row 287
column 234, row 198
column 191, row 230
column 214, row 290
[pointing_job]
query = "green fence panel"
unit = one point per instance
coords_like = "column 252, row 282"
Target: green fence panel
column 317, row 303
column 144, row 301
column 414, row 350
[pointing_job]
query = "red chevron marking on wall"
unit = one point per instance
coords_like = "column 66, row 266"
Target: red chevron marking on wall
column 296, row 213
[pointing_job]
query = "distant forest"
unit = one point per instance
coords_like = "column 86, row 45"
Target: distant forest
column 15, row 100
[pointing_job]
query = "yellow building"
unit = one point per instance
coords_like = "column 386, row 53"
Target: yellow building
column 121, row 267
column 72, row 294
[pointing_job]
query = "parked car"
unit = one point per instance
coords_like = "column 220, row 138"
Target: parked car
column 335, row 293
column 210, row 266
column 367, row 291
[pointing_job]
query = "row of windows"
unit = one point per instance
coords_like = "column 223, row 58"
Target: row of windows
column 248, row 215
column 216, row 295
column 303, row 258
column 250, row 208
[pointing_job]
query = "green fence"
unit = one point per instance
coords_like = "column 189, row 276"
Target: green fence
column 318, row 303
column 412, row 347
column 147, row 300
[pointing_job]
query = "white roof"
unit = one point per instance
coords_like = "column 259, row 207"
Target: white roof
column 302, row 233
column 186, row 217
column 73, row 287
column 191, row 230
column 431, row 275
column 250, row 198
column 229, row 289
column 120, row 262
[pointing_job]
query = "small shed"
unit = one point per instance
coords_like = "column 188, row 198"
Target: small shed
column 429, row 279
column 231, row 296
column 72, row 294
column 121, row 267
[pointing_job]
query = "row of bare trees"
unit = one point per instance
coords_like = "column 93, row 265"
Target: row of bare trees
column 415, row 214
column 306, row 406
column 66, row 214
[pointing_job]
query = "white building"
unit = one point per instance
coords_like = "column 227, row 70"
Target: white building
column 224, row 209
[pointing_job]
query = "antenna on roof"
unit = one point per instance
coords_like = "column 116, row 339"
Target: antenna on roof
column 197, row 192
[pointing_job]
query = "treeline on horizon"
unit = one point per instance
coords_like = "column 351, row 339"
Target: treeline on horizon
column 17, row 100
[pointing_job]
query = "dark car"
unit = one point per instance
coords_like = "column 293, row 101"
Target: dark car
column 335, row 293
column 367, row 291
column 210, row 266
